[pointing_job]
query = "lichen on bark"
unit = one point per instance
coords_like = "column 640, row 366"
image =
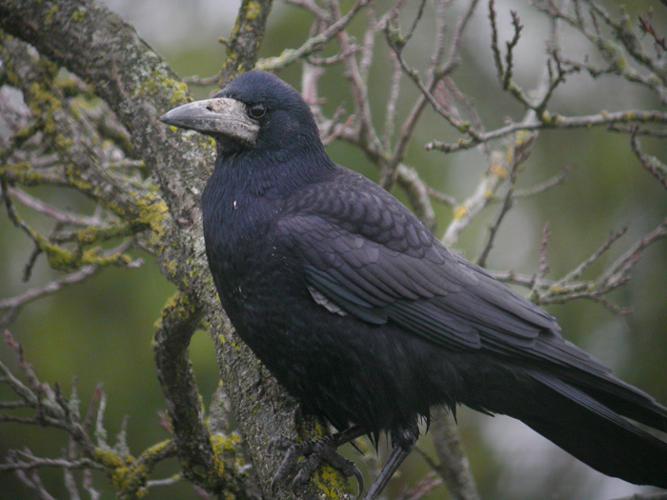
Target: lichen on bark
column 95, row 44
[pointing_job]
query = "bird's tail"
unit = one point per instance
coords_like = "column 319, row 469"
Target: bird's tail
column 589, row 424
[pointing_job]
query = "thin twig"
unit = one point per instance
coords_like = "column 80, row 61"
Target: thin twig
column 48, row 289
column 313, row 44
column 504, row 209
column 40, row 462
column 454, row 467
column 52, row 212
column 543, row 187
column 652, row 164
column 555, row 121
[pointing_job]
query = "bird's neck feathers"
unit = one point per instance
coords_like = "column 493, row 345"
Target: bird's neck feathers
column 268, row 172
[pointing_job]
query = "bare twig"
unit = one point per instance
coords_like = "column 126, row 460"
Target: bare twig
column 572, row 287
column 52, row 408
column 30, row 462
column 423, row 487
column 54, row 213
column 652, row 164
column 34, row 482
column 390, row 114
column 454, row 467
column 544, row 267
column 504, row 209
column 313, row 44
column 48, row 289
column 509, row 54
column 544, row 186
column 576, row 273
column 555, row 121
column 312, row 7
column 444, row 198
column 498, row 172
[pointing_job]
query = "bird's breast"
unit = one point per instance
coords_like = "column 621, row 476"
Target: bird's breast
column 240, row 255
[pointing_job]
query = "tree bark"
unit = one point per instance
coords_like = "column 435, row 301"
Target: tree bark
column 139, row 86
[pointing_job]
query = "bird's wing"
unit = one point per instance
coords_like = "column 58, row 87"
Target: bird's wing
column 404, row 276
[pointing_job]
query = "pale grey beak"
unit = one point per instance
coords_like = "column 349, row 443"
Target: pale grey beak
column 217, row 116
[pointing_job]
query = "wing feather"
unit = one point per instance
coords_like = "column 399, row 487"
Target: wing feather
column 367, row 255
column 426, row 290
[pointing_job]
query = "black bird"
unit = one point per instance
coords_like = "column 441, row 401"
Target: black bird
column 364, row 317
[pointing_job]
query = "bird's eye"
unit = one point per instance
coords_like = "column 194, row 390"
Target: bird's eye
column 256, row 111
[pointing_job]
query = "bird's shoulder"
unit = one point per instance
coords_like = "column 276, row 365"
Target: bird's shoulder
column 353, row 229
column 366, row 255
column 347, row 203
column 356, row 237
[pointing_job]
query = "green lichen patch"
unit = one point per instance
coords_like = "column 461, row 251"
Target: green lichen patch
column 253, row 11
column 129, row 474
column 94, row 234
column 109, row 458
column 229, row 465
column 158, row 83
column 64, row 259
column 51, row 14
column 78, row 15
column 178, row 308
column 44, row 103
column 330, row 483
column 154, row 213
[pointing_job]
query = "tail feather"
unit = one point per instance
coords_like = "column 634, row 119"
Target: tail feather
column 598, row 435
column 591, row 428
column 622, row 398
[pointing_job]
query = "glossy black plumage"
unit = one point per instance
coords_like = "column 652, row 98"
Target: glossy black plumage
column 367, row 319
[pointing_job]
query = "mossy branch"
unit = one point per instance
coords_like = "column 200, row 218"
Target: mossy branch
column 245, row 40
column 138, row 86
column 213, row 462
column 49, row 407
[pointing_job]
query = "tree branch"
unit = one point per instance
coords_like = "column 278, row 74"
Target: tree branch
column 246, row 38
column 139, row 87
column 200, row 453
column 454, row 467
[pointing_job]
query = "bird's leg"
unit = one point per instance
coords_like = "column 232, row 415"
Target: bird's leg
column 316, row 453
column 401, row 449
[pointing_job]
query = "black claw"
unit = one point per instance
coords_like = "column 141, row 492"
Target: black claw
column 316, row 454
column 287, row 466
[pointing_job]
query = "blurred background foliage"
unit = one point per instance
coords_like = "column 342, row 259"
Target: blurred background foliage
column 101, row 331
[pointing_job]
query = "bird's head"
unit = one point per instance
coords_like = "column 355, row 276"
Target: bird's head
column 256, row 111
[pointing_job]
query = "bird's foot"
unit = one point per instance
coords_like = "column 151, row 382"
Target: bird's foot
column 315, row 454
